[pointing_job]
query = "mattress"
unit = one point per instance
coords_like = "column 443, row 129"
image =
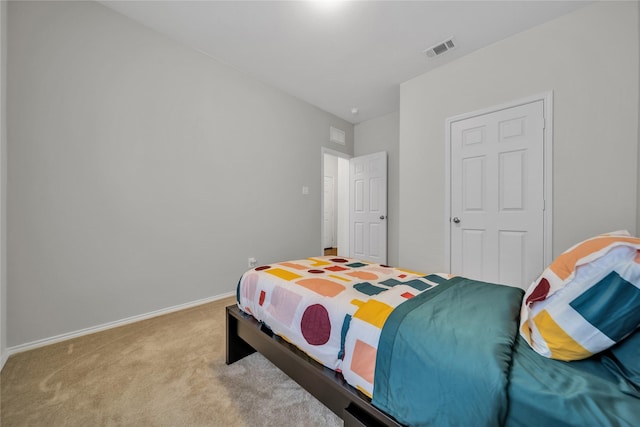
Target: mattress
column 332, row 308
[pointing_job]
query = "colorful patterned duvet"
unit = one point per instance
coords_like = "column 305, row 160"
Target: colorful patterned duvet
column 332, row 308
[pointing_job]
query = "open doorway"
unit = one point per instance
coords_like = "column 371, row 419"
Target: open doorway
column 335, row 203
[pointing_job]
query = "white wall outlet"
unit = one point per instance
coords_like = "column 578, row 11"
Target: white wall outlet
column 252, row 262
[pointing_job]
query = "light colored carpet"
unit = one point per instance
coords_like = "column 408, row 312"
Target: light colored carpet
column 165, row 371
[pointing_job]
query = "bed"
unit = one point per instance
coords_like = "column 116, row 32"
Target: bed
column 394, row 347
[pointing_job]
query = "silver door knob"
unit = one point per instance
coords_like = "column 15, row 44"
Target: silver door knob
column 456, row 220
column 382, row 217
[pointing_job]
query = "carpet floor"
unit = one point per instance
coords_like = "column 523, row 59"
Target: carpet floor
column 165, row 371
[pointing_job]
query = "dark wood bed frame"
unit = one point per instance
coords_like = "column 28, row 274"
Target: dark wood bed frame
column 245, row 335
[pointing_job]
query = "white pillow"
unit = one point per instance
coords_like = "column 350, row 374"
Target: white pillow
column 586, row 300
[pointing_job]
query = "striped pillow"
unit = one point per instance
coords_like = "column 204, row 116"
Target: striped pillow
column 587, row 300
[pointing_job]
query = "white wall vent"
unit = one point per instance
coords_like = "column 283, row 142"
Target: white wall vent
column 337, row 136
column 440, row 48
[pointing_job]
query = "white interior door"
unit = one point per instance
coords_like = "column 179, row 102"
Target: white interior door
column 329, row 213
column 498, row 195
column 368, row 207
column 335, row 208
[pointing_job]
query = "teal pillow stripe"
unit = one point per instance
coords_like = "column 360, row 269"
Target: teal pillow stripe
column 612, row 291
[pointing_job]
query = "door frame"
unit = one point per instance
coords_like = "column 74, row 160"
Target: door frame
column 547, row 102
column 323, row 151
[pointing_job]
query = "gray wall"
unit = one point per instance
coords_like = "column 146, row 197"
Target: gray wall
column 3, row 183
column 142, row 174
column 589, row 59
column 382, row 134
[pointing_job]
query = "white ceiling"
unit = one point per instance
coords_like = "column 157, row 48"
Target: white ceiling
column 340, row 54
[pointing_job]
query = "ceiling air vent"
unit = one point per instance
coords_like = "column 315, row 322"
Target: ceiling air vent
column 440, row 48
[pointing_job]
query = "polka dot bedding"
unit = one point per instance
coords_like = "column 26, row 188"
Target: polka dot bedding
column 332, row 308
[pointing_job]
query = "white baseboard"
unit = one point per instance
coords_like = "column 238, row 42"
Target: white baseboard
column 63, row 337
column 3, row 359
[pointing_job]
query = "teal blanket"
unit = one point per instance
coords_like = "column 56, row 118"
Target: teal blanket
column 444, row 356
column 595, row 392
